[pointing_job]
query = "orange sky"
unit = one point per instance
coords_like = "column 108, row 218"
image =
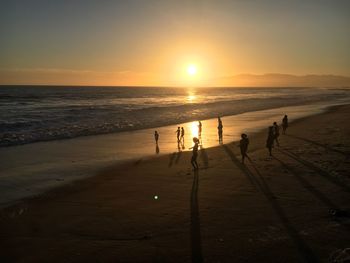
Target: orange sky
column 151, row 43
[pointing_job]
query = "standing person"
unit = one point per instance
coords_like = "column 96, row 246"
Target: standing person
column 276, row 131
column 182, row 134
column 156, row 136
column 194, row 153
column 178, row 132
column 199, row 129
column 270, row 139
column 243, row 145
column 284, row 124
column 220, row 126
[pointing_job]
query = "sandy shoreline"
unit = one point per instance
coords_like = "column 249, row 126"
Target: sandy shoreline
column 271, row 210
column 32, row 169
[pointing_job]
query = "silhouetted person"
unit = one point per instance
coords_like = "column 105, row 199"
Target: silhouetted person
column 284, row 124
column 243, row 145
column 199, row 128
column 156, row 136
column 182, row 134
column 270, row 139
column 220, row 127
column 194, row 153
column 178, row 132
column 276, row 132
column 157, row 149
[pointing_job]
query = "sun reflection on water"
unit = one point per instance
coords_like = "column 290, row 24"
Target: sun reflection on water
column 191, row 97
column 194, row 129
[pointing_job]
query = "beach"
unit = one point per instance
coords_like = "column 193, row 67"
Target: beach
column 34, row 168
column 175, row 131
column 291, row 207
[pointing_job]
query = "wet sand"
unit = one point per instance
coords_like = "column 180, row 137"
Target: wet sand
column 156, row 209
column 32, row 169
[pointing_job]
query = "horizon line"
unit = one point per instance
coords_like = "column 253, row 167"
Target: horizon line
column 157, row 86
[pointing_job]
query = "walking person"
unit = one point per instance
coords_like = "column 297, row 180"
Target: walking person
column 178, row 132
column 220, row 127
column 284, row 124
column 270, row 139
column 156, row 136
column 276, row 131
column 182, row 134
column 243, row 145
column 199, row 129
column 194, row 153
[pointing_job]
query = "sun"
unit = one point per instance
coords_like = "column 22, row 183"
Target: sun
column 191, row 69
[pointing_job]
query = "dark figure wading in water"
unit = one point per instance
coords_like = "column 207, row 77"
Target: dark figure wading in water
column 178, row 132
column 199, row 129
column 285, row 123
column 156, row 136
column 243, row 145
column 220, row 126
column 182, row 134
column 195, row 153
column 270, row 139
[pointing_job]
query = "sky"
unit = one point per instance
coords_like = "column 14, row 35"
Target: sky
column 152, row 42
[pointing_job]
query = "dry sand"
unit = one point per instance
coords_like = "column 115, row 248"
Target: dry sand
column 270, row 210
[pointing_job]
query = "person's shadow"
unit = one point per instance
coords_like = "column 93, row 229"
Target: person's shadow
column 220, row 138
column 196, row 240
column 183, row 145
column 179, row 151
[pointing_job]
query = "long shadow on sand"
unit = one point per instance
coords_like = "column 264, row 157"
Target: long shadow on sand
column 204, row 156
column 242, row 167
column 318, row 194
column 178, row 156
column 171, row 159
column 313, row 167
column 304, row 250
column 325, row 146
column 196, row 241
column 174, row 157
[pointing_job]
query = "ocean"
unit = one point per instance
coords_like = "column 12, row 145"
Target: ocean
column 41, row 113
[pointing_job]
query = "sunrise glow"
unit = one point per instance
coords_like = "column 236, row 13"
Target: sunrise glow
column 192, row 69
column 118, row 44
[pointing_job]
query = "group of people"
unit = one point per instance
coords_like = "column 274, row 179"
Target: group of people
column 180, row 134
column 273, row 134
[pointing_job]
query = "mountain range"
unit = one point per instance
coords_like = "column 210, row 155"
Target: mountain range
column 284, row 80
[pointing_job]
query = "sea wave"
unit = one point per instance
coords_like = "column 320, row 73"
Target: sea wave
column 32, row 114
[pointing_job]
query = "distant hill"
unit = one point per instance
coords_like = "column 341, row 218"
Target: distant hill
column 284, row 80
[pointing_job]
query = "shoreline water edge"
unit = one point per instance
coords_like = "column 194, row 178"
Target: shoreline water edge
column 31, row 169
